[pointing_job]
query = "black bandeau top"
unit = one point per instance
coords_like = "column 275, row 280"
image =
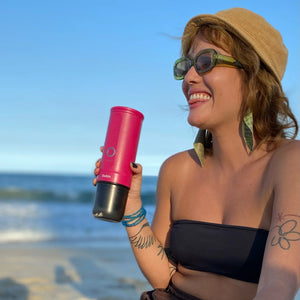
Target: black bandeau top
column 233, row 251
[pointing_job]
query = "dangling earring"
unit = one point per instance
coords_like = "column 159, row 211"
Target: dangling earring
column 199, row 145
column 247, row 130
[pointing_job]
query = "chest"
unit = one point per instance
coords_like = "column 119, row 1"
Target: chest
column 241, row 198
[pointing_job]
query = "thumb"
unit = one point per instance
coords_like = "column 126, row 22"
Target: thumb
column 136, row 168
column 136, row 180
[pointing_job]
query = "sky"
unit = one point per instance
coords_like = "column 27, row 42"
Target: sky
column 64, row 64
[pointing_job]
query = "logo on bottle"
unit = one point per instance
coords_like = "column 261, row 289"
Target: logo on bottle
column 105, row 176
column 111, row 151
column 98, row 214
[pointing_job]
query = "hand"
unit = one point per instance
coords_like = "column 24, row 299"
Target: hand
column 97, row 169
column 134, row 195
column 134, row 201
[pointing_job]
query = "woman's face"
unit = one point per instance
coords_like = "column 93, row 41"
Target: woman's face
column 214, row 98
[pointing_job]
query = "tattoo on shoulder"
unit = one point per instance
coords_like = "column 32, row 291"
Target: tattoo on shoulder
column 140, row 241
column 287, row 232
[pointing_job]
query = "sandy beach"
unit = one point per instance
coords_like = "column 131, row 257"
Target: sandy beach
column 37, row 271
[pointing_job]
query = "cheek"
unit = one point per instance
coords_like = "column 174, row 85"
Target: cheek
column 229, row 87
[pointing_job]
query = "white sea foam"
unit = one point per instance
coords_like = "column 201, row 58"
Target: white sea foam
column 12, row 236
column 17, row 209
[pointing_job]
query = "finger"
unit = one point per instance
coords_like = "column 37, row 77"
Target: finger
column 97, row 171
column 98, row 163
column 136, row 168
column 95, row 181
column 101, row 148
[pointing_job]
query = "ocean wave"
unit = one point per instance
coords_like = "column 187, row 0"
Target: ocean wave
column 8, row 194
column 55, row 222
column 45, row 195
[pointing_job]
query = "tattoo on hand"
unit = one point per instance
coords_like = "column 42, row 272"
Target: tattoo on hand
column 140, row 241
column 285, row 233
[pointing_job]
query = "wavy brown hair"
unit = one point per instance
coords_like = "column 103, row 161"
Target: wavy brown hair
column 273, row 119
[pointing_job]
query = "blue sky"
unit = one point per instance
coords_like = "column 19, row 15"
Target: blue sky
column 64, row 64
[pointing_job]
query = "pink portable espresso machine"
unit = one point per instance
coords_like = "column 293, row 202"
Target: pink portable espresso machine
column 120, row 148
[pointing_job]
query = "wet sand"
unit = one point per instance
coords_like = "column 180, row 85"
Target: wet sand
column 37, row 271
column 62, row 272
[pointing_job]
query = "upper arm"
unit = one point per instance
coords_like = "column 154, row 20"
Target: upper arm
column 162, row 217
column 281, row 263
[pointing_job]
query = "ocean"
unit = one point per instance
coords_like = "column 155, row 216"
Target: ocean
column 52, row 210
column 58, row 208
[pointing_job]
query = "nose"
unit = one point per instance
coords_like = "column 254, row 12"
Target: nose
column 192, row 76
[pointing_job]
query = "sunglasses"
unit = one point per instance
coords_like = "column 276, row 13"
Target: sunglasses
column 204, row 61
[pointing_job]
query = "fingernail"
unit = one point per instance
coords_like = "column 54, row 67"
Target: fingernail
column 134, row 165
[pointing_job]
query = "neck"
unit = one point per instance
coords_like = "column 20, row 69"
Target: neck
column 229, row 150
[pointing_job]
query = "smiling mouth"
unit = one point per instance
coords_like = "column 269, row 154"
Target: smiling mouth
column 198, row 97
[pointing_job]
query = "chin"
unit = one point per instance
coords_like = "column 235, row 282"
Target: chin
column 196, row 121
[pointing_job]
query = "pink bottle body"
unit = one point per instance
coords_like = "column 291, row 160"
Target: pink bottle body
column 120, row 145
column 120, row 148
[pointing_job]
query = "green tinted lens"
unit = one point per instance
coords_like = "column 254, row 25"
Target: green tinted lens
column 204, row 62
column 181, row 67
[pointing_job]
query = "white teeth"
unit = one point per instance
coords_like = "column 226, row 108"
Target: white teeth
column 201, row 96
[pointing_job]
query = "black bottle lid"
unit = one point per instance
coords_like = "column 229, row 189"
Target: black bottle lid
column 110, row 201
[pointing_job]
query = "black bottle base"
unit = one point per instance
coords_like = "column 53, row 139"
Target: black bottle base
column 110, row 201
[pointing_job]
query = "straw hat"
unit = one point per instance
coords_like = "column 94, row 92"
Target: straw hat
column 251, row 28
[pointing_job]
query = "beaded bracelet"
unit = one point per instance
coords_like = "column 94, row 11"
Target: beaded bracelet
column 135, row 218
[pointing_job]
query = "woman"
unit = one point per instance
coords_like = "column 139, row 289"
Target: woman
column 227, row 218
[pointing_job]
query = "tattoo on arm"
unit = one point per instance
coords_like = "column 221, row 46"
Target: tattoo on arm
column 172, row 270
column 161, row 252
column 139, row 241
column 285, row 233
column 281, row 217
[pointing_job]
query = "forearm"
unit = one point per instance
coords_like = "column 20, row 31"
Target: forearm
column 150, row 254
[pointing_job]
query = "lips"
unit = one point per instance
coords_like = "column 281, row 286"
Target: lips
column 198, row 97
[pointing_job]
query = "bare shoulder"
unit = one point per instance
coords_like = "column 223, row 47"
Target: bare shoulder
column 170, row 165
column 174, row 168
column 286, row 157
column 285, row 173
column 289, row 147
column 179, row 161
